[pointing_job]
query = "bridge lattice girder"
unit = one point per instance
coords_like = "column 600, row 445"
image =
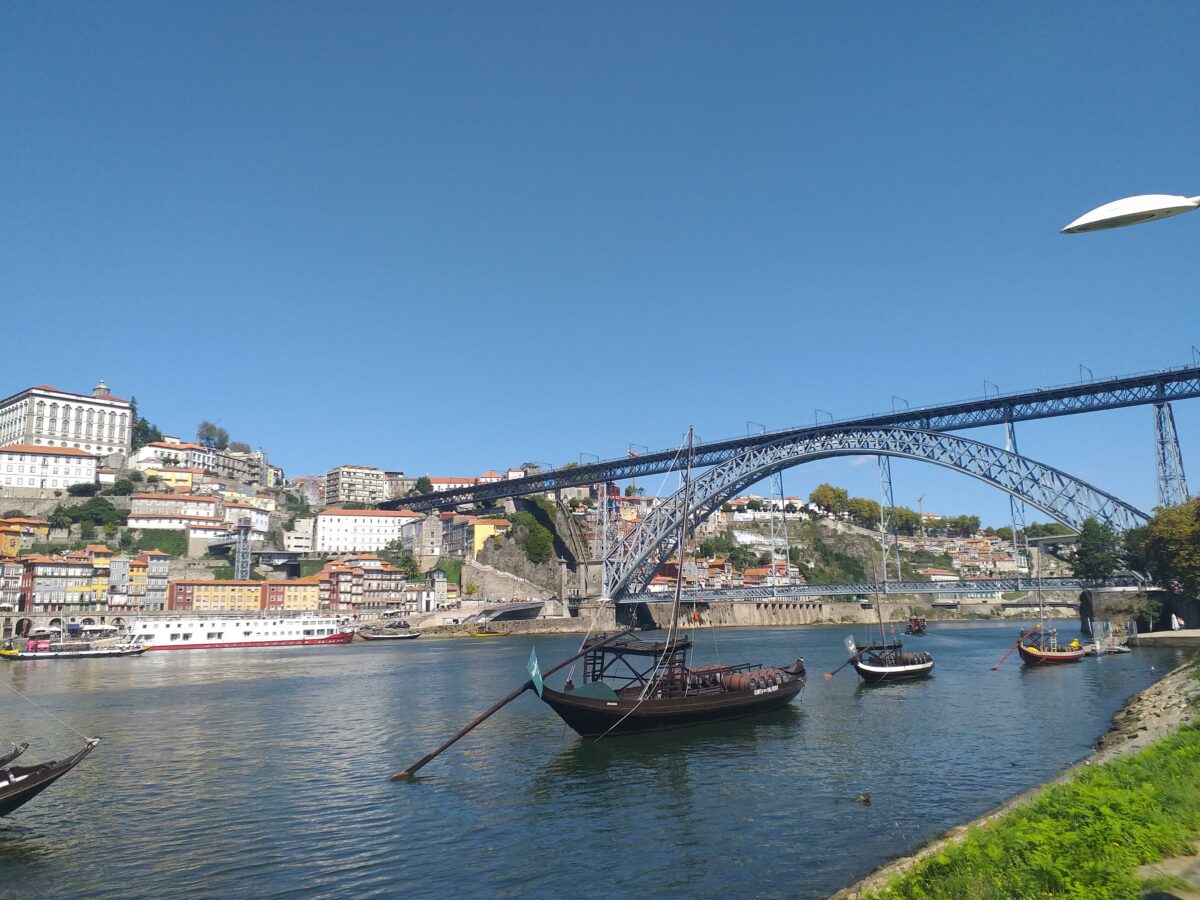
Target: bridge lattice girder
column 1115, row 393
column 633, row 562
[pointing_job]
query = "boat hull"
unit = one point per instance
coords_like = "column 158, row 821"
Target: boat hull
column 344, row 637
column 593, row 717
column 25, row 655
column 874, row 673
column 20, row 784
column 1032, row 656
column 408, row 636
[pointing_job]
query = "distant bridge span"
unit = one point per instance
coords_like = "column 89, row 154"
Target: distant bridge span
column 871, row 588
column 1157, row 388
column 1068, row 500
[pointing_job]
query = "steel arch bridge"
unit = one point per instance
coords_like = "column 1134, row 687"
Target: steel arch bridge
column 633, row 562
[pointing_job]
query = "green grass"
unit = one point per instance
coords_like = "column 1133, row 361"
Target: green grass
column 173, row 543
column 1083, row 838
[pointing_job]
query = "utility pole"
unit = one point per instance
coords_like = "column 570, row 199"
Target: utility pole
column 921, row 514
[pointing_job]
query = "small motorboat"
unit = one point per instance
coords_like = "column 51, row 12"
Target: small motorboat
column 916, row 626
column 484, row 631
column 20, row 784
column 42, row 649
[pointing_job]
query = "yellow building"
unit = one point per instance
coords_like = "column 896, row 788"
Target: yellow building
column 38, row 529
column 298, row 595
column 10, row 541
column 181, row 481
column 482, row 529
column 215, row 596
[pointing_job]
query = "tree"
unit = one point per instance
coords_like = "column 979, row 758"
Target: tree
column 83, row 489
column 212, row 436
column 395, row 554
column 863, row 512
column 829, row 498
column 423, row 486
column 531, row 467
column 791, row 508
column 141, row 432
column 1171, row 547
column 60, row 518
column 239, row 447
column 1098, row 554
column 122, row 487
column 754, row 505
column 136, row 477
column 470, row 589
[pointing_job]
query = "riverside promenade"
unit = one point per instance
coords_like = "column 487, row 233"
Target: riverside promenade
column 1184, row 637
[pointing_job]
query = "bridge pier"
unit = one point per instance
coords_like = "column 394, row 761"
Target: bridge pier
column 1172, row 483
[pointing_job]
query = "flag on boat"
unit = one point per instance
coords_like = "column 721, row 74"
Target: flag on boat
column 534, row 672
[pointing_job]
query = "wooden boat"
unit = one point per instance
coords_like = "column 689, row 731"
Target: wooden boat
column 386, row 636
column 69, row 650
column 632, row 686
column 878, row 662
column 16, row 751
column 916, row 626
column 1043, row 649
column 20, row 784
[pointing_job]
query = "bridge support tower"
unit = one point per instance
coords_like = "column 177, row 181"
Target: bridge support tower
column 1172, row 483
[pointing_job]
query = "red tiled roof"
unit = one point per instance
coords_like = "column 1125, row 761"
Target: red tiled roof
column 407, row 513
column 183, row 498
column 46, row 451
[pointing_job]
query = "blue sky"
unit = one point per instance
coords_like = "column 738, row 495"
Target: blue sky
column 448, row 237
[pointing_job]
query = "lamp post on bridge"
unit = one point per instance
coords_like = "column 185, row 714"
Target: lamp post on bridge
column 1132, row 211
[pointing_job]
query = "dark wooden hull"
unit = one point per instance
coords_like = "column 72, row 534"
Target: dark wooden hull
column 592, row 717
column 407, row 636
column 875, row 673
column 1033, row 656
column 20, row 784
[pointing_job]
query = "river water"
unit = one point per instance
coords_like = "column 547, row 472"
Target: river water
column 264, row 773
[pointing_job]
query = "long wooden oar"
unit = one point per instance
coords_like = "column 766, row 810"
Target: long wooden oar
column 1015, row 646
column 408, row 773
column 829, row 675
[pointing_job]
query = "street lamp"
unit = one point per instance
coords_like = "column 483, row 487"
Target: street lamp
column 1132, row 211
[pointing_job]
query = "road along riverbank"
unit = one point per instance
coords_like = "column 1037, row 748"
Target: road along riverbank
column 1135, row 800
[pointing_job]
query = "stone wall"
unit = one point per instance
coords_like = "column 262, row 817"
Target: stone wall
column 495, row 584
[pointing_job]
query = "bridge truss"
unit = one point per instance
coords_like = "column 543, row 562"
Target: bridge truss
column 1158, row 388
column 631, row 565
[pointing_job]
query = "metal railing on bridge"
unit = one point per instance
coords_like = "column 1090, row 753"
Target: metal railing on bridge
column 1115, row 393
column 981, row 586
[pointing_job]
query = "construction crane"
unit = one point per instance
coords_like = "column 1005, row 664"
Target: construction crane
column 921, row 514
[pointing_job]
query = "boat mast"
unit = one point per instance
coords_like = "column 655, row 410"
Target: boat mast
column 683, row 521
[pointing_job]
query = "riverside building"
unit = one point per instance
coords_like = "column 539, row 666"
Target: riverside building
column 358, row 530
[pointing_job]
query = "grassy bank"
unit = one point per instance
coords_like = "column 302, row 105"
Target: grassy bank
column 1082, row 838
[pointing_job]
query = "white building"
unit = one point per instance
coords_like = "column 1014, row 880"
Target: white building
column 26, row 468
column 260, row 519
column 300, row 538
column 44, row 416
column 355, row 484
column 358, row 530
column 178, row 454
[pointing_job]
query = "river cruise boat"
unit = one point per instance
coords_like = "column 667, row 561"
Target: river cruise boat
column 228, row 632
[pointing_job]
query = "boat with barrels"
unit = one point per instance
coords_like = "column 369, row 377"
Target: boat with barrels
column 44, row 649
column 632, row 686
column 878, row 662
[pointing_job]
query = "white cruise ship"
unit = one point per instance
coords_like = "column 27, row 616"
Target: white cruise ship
column 221, row 632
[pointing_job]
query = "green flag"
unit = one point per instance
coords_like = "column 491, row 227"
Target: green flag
column 534, row 672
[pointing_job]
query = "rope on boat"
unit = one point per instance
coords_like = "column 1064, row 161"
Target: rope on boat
column 46, row 711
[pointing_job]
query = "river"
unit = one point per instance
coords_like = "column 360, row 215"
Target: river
column 264, row 773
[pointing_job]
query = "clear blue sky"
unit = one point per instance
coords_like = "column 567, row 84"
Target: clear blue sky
column 448, row 237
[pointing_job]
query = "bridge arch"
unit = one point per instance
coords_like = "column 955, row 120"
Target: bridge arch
column 633, row 562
